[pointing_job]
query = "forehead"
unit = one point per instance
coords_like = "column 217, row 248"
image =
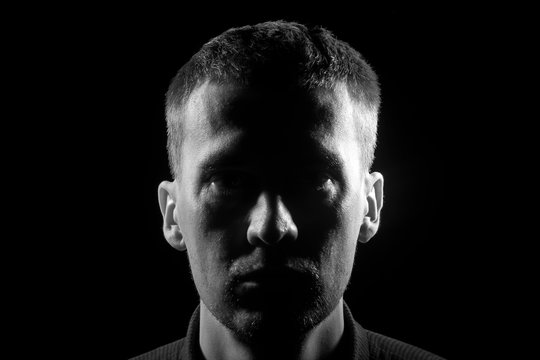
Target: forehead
column 269, row 128
column 213, row 108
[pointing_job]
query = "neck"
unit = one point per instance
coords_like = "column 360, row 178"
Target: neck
column 218, row 342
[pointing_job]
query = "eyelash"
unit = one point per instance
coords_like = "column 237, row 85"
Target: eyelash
column 230, row 182
column 238, row 179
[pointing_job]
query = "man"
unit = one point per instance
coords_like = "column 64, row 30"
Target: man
column 271, row 135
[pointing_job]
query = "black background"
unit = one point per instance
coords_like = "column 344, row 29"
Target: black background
column 113, row 284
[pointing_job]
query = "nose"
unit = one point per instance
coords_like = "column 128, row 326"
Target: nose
column 270, row 222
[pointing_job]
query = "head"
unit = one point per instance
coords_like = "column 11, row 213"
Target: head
column 272, row 130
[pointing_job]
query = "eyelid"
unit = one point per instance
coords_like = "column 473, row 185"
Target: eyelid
column 212, row 174
column 207, row 173
column 319, row 172
column 231, row 179
column 228, row 170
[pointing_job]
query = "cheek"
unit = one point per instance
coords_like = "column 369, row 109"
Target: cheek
column 208, row 270
column 351, row 216
column 202, row 248
column 342, row 246
column 341, row 253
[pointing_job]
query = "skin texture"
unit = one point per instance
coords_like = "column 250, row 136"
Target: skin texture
column 270, row 203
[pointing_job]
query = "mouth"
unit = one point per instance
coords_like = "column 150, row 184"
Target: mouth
column 266, row 284
column 269, row 275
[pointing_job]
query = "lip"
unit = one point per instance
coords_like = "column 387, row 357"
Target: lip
column 267, row 288
column 257, row 287
column 269, row 275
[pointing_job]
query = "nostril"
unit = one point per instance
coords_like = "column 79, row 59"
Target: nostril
column 270, row 222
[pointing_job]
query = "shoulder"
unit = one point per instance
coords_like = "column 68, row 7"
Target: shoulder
column 384, row 347
column 170, row 351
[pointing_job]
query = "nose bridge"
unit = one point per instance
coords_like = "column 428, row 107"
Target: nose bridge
column 271, row 221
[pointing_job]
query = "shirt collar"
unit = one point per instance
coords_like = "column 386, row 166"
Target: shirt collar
column 353, row 345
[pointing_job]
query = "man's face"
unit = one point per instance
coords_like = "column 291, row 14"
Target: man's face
column 270, row 200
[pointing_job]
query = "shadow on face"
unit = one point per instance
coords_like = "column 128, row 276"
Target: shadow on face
column 270, row 196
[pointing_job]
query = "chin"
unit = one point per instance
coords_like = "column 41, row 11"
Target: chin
column 265, row 310
column 280, row 320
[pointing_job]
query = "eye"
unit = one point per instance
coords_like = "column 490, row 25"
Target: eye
column 230, row 182
column 321, row 183
column 315, row 181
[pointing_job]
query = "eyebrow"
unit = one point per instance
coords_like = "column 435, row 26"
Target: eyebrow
column 326, row 158
column 319, row 158
column 220, row 160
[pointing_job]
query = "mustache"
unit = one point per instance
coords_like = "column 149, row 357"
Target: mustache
column 258, row 267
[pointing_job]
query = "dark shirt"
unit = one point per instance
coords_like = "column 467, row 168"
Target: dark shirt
column 357, row 343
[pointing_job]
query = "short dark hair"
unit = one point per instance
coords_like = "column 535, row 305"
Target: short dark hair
column 312, row 57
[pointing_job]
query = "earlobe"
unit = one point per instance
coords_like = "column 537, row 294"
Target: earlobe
column 374, row 199
column 167, row 204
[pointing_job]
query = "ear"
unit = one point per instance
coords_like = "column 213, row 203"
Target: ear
column 167, row 204
column 374, row 195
